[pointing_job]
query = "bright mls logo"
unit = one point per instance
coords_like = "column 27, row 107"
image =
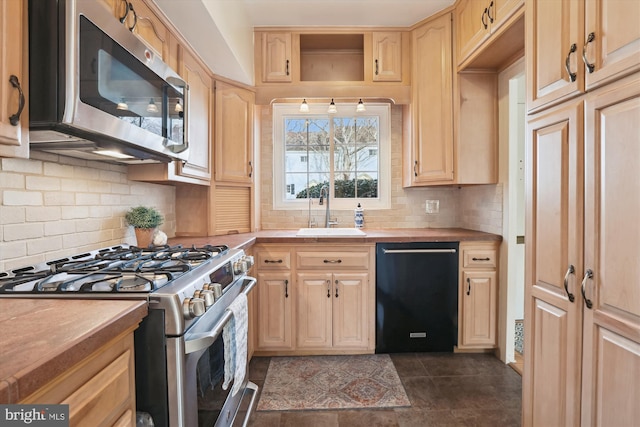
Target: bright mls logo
column 34, row 415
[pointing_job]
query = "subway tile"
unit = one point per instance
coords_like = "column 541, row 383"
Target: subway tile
column 42, row 214
column 59, row 198
column 12, row 214
column 55, row 228
column 59, row 170
column 25, row 166
column 12, row 180
column 44, row 245
column 22, row 198
column 75, row 212
column 23, row 231
column 90, row 199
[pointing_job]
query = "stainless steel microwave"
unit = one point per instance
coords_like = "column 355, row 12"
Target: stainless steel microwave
column 97, row 92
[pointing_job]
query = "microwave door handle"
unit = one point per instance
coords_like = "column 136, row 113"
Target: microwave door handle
column 186, row 115
column 206, row 339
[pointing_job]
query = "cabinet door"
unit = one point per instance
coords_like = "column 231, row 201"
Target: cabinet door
column 149, row 28
column 472, row 26
column 554, row 30
column 387, row 56
column 234, row 134
column 615, row 47
column 275, row 294
column 612, row 248
column 14, row 130
column 200, row 99
column 313, row 318
column 554, row 195
column 501, row 10
column 479, row 309
column 276, row 57
column 432, row 115
column 350, row 314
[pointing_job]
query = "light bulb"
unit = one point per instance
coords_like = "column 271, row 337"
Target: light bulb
column 178, row 106
column 122, row 105
column 361, row 108
column 332, row 107
column 152, row 107
column 304, row 107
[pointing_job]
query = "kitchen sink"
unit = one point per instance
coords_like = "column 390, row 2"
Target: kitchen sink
column 330, row 232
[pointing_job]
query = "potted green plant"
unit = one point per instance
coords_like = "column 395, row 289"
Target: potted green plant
column 145, row 220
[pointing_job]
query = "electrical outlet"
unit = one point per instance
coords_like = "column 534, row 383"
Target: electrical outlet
column 432, row 206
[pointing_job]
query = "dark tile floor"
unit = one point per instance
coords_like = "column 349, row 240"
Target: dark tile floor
column 444, row 389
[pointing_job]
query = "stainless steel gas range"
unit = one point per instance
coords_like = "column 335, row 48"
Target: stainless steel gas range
column 179, row 350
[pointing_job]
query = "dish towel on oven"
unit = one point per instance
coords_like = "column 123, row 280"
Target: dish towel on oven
column 234, row 336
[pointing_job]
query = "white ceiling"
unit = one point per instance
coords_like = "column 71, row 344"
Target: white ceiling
column 394, row 13
column 221, row 31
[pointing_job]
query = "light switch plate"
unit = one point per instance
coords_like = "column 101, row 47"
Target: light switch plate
column 432, row 206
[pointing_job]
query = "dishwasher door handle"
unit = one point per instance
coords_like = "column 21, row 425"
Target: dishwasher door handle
column 419, row 251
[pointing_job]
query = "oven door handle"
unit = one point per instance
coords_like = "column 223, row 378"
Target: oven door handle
column 206, row 339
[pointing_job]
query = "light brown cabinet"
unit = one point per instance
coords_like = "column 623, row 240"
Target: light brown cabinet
column 276, row 57
column 331, row 310
column 387, row 56
column 233, row 134
column 327, row 309
column 275, row 298
column 478, row 296
column 199, row 128
column 579, row 45
column 14, row 118
column 582, row 312
column 428, row 152
column 100, row 390
column 477, row 20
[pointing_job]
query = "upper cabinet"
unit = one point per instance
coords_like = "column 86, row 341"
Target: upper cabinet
column 428, row 153
column 276, row 57
column 578, row 46
column 387, row 56
column 14, row 120
column 199, row 128
column 478, row 20
column 233, row 134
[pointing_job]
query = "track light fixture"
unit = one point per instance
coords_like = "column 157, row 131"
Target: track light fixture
column 122, row 105
column 361, row 108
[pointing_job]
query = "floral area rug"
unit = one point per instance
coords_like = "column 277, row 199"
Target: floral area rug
column 332, row 382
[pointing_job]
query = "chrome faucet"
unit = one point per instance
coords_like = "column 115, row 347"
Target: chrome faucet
column 325, row 192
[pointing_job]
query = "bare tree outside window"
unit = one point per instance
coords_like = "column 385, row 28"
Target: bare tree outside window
column 349, row 144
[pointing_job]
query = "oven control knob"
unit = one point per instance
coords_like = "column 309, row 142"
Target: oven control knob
column 249, row 259
column 240, row 267
column 206, row 295
column 193, row 307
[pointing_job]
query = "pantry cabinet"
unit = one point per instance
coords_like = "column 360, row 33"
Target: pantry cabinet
column 477, row 20
column 428, row 149
column 582, row 313
column 14, row 118
column 478, row 296
column 577, row 46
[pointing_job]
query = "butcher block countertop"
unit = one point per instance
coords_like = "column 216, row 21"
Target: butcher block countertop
column 401, row 235
column 41, row 338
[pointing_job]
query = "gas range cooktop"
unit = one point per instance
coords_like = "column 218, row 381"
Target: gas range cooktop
column 121, row 269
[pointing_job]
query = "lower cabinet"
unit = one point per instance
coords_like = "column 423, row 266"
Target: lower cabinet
column 315, row 299
column 478, row 296
column 100, row 390
column 332, row 310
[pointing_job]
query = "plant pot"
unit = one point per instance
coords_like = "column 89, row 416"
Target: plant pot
column 144, row 236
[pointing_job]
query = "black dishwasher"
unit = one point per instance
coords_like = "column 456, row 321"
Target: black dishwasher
column 416, row 297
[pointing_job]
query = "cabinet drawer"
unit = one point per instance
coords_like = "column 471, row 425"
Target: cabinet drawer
column 334, row 260
column 274, row 260
column 479, row 257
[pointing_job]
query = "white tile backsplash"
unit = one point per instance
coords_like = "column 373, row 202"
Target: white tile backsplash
column 53, row 206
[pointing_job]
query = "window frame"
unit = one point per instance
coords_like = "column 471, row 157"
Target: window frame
column 281, row 111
